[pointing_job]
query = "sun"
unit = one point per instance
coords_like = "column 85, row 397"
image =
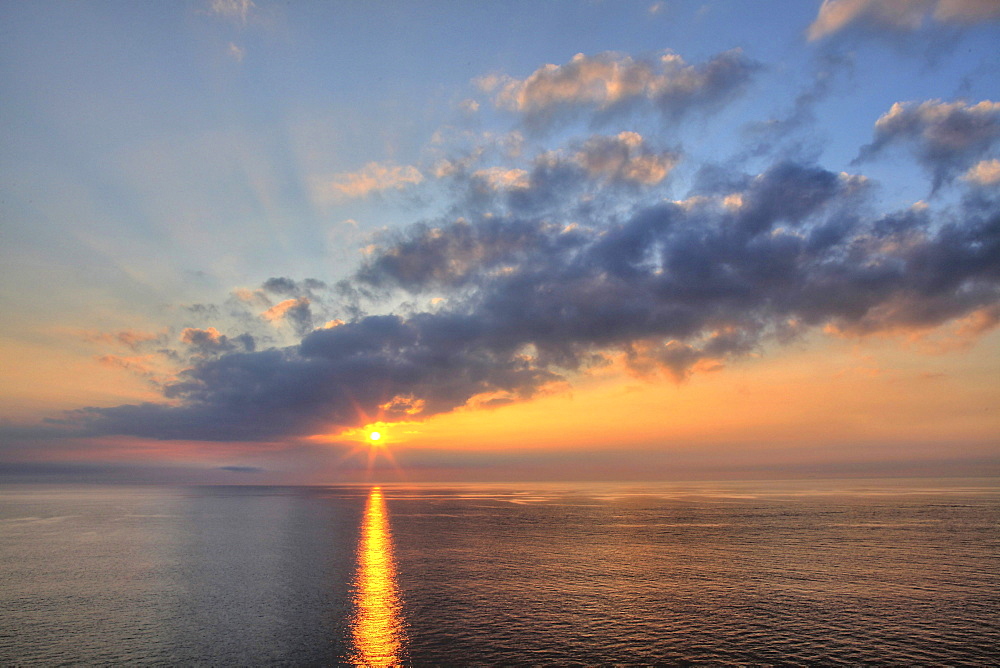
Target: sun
column 374, row 436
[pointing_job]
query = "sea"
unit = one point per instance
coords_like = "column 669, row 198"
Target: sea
column 791, row 573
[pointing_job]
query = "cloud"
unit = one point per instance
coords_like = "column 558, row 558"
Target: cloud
column 611, row 84
column 985, row 173
column 282, row 285
column 297, row 311
column 469, row 106
column 374, row 177
column 131, row 339
column 251, row 297
column 898, row 15
column 210, row 341
column 672, row 288
column 237, row 11
column 144, row 366
column 502, row 178
column 765, row 136
column 947, row 137
column 625, row 158
column 706, row 278
column 453, row 255
column 966, row 11
column 600, row 167
column 335, row 378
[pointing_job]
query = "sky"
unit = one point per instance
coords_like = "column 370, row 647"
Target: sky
column 519, row 240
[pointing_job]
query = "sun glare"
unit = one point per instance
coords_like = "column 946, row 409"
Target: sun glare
column 374, row 436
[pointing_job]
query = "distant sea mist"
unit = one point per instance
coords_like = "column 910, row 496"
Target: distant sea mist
column 848, row 572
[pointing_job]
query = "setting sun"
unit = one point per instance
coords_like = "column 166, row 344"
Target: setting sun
column 374, row 436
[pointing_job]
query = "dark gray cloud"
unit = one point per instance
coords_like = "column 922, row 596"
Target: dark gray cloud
column 451, row 256
column 287, row 287
column 531, row 300
column 207, row 342
column 281, row 285
column 947, row 137
column 337, row 377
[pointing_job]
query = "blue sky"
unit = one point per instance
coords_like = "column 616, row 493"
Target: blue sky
column 167, row 165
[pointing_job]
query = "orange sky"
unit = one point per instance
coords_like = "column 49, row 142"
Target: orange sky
column 231, row 237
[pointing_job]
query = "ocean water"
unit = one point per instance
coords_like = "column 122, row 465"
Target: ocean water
column 891, row 572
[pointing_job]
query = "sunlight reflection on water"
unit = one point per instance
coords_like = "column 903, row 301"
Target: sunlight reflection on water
column 377, row 626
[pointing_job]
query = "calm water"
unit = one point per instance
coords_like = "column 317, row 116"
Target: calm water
column 854, row 572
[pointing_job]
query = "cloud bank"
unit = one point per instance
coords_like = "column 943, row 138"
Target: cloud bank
column 525, row 302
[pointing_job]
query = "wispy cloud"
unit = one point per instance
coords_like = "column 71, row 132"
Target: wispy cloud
column 374, row 177
column 236, row 53
column 237, row 11
column 608, row 85
column 131, row 339
column 501, row 178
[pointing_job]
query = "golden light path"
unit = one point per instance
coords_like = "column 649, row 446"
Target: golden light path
column 377, row 627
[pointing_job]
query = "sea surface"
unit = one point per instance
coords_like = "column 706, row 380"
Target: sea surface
column 858, row 572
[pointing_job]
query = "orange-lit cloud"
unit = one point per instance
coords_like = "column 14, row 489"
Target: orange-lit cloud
column 280, row 310
column 612, row 83
column 499, row 178
column 903, row 15
column 140, row 364
column 297, row 311
column 625, row 157
column 985, row 173
column 375, row 177
column 131, row 339
column 957, row 334
column 195, row 336
column 822, row 394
